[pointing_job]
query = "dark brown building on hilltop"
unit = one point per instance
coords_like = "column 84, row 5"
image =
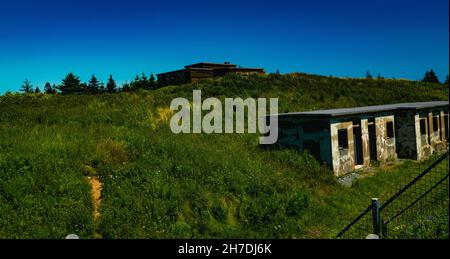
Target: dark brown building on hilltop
column 196, row 72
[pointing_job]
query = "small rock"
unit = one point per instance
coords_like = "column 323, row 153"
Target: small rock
column 72, row 236
column 372, row 236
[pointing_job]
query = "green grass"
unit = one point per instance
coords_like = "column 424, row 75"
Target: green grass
column 161, row 185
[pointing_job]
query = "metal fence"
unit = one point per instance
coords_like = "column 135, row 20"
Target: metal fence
column 418, row 210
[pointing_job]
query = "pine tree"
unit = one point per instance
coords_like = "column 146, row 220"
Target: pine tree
column 126, row 87
column 430, row 77
column 144, row 84
column 49, row 89
column 144, row 78
column 368, row 75
column 71, row 81
column 102, row 88
column 111, row 86
column 446, row 80
column 152, row 82
column 37, row 90
column 94, row 85
column 379, row 77
column 26, row 87
column 136, row 84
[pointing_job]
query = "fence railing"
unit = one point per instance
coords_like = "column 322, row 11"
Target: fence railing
column 418, row 210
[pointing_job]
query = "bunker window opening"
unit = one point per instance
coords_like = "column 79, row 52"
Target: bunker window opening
column 423, row 127
column 390, row 129
column 435, row 123
column 343, row 139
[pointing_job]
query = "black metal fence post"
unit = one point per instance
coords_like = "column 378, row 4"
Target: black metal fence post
column 376, row 217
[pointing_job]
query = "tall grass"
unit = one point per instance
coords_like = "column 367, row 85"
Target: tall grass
column 160, row 185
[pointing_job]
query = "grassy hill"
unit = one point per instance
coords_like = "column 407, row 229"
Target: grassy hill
column 160, row 185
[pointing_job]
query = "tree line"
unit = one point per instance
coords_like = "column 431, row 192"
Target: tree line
column 429, row 77
column 72, row 84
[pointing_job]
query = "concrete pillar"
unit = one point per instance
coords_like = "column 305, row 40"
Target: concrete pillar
column 343, row 161
column 442, row 127
column 365, row 141
column 418, row 136
column 430, row 132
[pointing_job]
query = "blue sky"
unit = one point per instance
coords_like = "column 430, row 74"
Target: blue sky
column 44, row 40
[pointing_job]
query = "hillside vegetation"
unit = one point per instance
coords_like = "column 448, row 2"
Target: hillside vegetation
column 160, row 185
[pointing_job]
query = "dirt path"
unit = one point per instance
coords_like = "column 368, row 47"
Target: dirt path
column 96, row 193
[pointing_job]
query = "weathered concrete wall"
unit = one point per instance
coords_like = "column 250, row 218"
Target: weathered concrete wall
column 434, row 140
column 443, row 115
column 321, row 137
column 292, row 134
column 437, row 136
column 405, row 123
column 365, row 141
column 423, row 147
column 343, row 160
column 434, row 133
column 442, row 124
column 386, row 148
column 437, row 142
column 288, row 136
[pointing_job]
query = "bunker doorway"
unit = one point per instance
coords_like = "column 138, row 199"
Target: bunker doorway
column 357, row 140
column 372, row 140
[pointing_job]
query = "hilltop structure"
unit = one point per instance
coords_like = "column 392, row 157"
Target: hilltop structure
column 350, row 138
column 199, row 71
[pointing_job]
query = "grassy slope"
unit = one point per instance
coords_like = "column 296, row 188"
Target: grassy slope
column 161, row 185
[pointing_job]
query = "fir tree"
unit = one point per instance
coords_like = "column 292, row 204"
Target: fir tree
column 111, row 86
column 126, row 87
column 430, row 77
column 94, row 85
column 26, row 87
column 71, row 81
column 102, row 87
column 152, row 82
column 49, row 89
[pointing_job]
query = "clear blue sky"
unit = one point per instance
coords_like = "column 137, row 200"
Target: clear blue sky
column 44, row 40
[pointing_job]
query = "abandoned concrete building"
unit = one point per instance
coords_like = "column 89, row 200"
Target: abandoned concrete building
column 350, row 138
column 422, row 129
column 199, row 71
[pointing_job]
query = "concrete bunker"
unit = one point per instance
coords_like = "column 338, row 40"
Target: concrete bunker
column 423, row 129
column 350, row 138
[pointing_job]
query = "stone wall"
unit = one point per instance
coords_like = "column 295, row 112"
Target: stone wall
column 321, row 136
column 297, row 133
column 434, row 140
column 437, row 136
column 423, row 147
column 343, row 159
column 386, row 147
column 405, row 123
